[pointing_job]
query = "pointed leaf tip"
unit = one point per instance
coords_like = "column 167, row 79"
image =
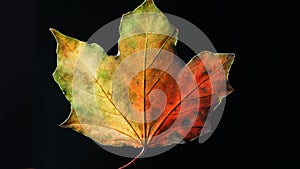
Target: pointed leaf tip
column 56, row 34
column 147, row 6
column 53, row 31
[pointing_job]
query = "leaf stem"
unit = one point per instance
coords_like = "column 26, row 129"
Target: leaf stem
column 134, row 159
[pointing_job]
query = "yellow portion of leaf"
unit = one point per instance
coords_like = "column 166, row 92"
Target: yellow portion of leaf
column 103, row 122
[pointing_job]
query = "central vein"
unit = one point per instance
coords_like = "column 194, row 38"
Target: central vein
column 145, row 66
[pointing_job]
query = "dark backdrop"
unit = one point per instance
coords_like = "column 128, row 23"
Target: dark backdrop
column 259, row 124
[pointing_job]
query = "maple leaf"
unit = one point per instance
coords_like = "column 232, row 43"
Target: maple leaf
column 144, row 96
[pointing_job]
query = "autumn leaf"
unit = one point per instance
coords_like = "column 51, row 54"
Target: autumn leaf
column 144, row 97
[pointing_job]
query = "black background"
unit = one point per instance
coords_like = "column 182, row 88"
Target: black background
column 259, row 125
